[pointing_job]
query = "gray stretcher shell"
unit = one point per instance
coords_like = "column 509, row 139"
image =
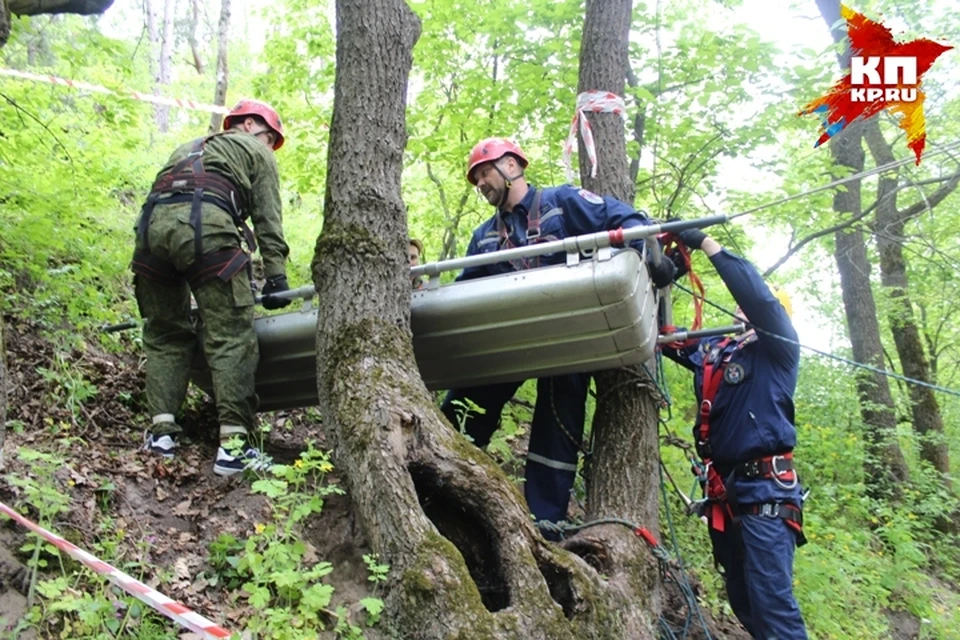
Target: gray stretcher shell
column 595, row 315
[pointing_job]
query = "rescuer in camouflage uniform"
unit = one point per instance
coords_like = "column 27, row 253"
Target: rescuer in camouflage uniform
column 189, row 240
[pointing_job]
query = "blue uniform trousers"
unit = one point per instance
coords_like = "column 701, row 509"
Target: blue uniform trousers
column 552, row 458
column 757, row 560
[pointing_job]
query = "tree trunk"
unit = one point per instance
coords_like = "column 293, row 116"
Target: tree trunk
column 4, row 23
column 465, row 558
column 622, row 473
column 220, row 92
column 166, row 64
column 153, row 35
column 885, row 466
column 889, row 232
column 192, row 36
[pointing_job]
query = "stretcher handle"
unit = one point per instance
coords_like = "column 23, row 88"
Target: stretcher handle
column 585, row 244
column 680, row 336
column 306, row 291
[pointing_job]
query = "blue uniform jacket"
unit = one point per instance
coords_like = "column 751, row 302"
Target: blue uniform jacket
column 752, row 413
column 564, row 211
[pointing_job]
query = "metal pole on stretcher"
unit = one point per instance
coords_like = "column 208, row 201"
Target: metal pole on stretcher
column 572, row 246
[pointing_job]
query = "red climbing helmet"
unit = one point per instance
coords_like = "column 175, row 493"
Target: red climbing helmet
column 490, row 150
column 247, row 107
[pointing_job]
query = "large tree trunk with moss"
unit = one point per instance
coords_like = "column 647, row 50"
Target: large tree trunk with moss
column 623, row 470
column 886, row 467
column 465, row 558
column 889, row 232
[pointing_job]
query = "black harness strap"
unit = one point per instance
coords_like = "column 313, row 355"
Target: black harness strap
column 150, row 266
column 188, row 181
column 532, row 235
column 223, row 264
column 789, row 513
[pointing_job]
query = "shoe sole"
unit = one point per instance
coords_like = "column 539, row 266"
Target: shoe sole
column 225, row 471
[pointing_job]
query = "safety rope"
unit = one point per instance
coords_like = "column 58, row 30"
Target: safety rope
column 853, row 363
column 851, row 178
column 684, row 586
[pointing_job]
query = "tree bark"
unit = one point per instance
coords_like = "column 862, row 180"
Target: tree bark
column 622, row 473
column 885, row 466
column 4, row 23
column 220, row 92
column 465, row 558
column 889, row 232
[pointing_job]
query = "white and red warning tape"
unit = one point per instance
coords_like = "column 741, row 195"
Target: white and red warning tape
column 133, row 95
column 173, row 610
column 594, row 102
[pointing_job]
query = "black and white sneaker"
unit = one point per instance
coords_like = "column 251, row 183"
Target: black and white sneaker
column 248, row 458
column 163, row 445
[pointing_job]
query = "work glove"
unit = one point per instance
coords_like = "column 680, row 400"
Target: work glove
column 274, row 284
column 693, row 238
column 677, row 259
column 664, row 273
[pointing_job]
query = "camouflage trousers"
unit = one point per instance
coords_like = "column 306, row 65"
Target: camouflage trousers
column 170, row 340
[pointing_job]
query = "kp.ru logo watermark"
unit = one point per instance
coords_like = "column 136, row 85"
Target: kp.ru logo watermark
column 883, row 75
column 899, row 79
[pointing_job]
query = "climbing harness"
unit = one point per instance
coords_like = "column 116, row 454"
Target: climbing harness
column 721, row 505
column 188, row 181
column 532, row 235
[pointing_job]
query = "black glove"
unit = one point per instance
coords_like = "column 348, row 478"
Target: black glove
column 677, row 259
column 274, row 284
column 664, row 273
column 693, row 238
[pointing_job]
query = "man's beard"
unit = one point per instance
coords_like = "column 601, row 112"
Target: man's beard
column 494, row 196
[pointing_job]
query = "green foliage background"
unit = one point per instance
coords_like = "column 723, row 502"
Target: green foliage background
column 717, row 98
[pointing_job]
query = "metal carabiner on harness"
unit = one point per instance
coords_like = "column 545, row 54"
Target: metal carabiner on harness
column 775, row 474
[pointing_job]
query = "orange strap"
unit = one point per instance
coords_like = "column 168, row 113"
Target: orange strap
column 671, row 243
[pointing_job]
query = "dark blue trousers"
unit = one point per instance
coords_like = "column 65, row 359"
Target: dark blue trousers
column 757, row 560
column 552, row 458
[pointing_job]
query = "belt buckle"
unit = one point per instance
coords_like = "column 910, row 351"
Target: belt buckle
column 770, row 509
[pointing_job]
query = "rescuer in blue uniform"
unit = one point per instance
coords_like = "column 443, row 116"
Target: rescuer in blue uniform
column 526, row 215
column 745, row 435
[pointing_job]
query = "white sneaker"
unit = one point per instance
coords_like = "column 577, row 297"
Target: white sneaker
column 249, row 458
column 163, row 445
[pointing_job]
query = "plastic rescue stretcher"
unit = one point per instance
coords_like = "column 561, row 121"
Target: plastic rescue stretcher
column 598, row 311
